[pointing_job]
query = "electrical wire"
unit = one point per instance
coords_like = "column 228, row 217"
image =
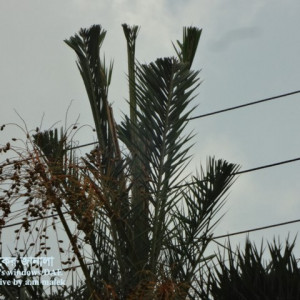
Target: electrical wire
column 218, row 112
column 244, row 105
column 209, row 114
column 255, row 229
column 228, row 235
column 187, row 184
column 251, row 170
column 196, row 117
column 268, row 166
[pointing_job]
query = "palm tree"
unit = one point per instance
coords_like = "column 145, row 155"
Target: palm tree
column 147, row 228
column 247, row 275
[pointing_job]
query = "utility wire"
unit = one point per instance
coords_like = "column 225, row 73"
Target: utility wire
column 255, row 229
column 217, row 112
column 244, row 105
column 223, row 236
column 183, row 185
column 187, row 184
column 210, row 114
column 252, row 169
column 201, row 116
column 214, row 238
column 268, row 166
column 217, row 237
column 236, row 173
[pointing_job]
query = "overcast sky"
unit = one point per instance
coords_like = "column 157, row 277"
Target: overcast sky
column 249, row 50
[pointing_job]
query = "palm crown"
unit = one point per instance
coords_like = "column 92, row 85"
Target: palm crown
column 159, row 229
column 147, row 229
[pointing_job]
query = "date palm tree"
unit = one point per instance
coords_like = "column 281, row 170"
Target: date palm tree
column 147, row 228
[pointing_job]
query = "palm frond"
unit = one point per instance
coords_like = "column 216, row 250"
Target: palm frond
column 96, row 77
column 247, row 275
column 164, row 90
column 131, row 33
column 194, row 221
column 87, row 46
column 53, row 148
column 188, row 47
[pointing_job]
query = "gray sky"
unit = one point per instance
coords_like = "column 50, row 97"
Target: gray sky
column 249, row 50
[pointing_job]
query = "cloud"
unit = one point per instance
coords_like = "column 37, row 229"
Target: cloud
column 235, row 36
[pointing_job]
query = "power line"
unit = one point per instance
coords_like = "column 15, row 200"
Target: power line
column 244, row 105
column 252, row 169
column 256, row 229
column 223, row 236
column 217, row 112
column 236, row 173
column 183, row 185
column 214, row 238
column 268, row 166
column 196, row 117
column 209, row 114
column 187, row 184
column 218, row 237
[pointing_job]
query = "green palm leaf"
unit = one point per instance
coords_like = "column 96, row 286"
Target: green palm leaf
column 96, row 78
column 188, row 47
column 193, row 221
column 164, row 90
